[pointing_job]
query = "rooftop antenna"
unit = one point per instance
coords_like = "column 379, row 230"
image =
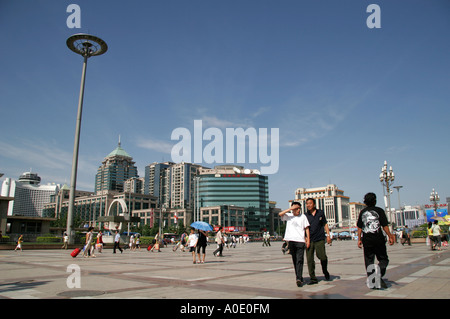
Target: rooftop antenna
column 119, row 140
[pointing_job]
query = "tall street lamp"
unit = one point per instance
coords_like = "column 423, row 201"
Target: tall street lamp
column 387, row 179
column 399, row 203
column 86, row 45
column 434, row 198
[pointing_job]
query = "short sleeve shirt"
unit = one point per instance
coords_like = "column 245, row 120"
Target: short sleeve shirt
column 295, row 227
column 317, row 225
column 372, row 220
column 219, row 237
column 193, row 238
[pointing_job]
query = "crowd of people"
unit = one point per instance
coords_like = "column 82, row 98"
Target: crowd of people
column 306, row 234
column 196, row 241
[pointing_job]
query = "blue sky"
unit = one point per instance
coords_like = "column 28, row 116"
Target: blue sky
column 344, row 97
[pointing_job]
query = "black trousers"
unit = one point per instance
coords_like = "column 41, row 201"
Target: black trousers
column 297, row 250
column 116, row 245
column 379, row 251
column 219, row 250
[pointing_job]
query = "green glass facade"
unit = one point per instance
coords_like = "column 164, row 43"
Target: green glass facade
column 250, row 191
column 116, row 168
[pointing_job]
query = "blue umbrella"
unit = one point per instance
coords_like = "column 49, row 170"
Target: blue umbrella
column 201, row 225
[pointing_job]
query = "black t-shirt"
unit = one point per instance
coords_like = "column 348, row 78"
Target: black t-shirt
column 202, row 240
column 317, row 225
column 372, row 220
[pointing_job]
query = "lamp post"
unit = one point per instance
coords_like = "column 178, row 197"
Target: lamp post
column 434, row 198
column 86, row 45
column 399, row 203
column 387, row 179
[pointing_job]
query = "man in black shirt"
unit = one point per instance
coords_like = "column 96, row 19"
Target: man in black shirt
column 371, row 223
column 318, row 226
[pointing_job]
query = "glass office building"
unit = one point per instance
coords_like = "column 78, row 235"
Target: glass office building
column 234, row 185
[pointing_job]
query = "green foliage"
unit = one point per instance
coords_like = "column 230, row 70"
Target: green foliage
column 419, row 234
column 48, row 239
column 147, row 240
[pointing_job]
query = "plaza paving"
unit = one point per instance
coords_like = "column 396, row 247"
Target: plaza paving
column 249, row 271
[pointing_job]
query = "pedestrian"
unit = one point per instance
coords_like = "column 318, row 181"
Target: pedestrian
column 298, row 237
column 430, row 235
column 117, row 243
column 201, row 245
column 183, row 240
column 138, row 242
column 89, row 238
column 233, row 241
column 156, row 243
column 264, row 238
column 99, row 243
column 220, row 242
column 192, row 242
column 372, row 221
column 19, row 243
column 65, row 241
column 436, row 235
column 317, row 227
column 181, row 243
column 406, row 236
column 131, row 243
column 225, row 241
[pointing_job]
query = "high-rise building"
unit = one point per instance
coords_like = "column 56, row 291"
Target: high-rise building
column 157, row 181
column 330, row 199
column 182, row 184
column 134, row 185
column 116, row 168
column 172, row 183
column 234, row 185
column 29, row 195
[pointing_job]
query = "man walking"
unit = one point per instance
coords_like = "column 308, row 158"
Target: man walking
column 220, row 242
column 297, row 236
column 117, row 242
column 406, row 236
column 371, row 223
column 317, row 227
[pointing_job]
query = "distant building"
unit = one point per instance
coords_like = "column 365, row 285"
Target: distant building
column 157, row 180
column 134, row 185
column 274, row 218
column 330, row 199
column 29, row 196
column 355, row 209
column 172, row 183
column 224, row 215
column 234, row 185
column 116, row 168
column 410, row 216
column 89, row 207
column 182, row 185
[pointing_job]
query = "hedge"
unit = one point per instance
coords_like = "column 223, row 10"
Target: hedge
column 147, row 240
column 48, row 239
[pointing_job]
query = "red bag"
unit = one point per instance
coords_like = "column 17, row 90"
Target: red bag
column 75, row 252
column 149, row 247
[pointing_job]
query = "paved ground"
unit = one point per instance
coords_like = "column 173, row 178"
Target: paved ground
column 246, row 272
